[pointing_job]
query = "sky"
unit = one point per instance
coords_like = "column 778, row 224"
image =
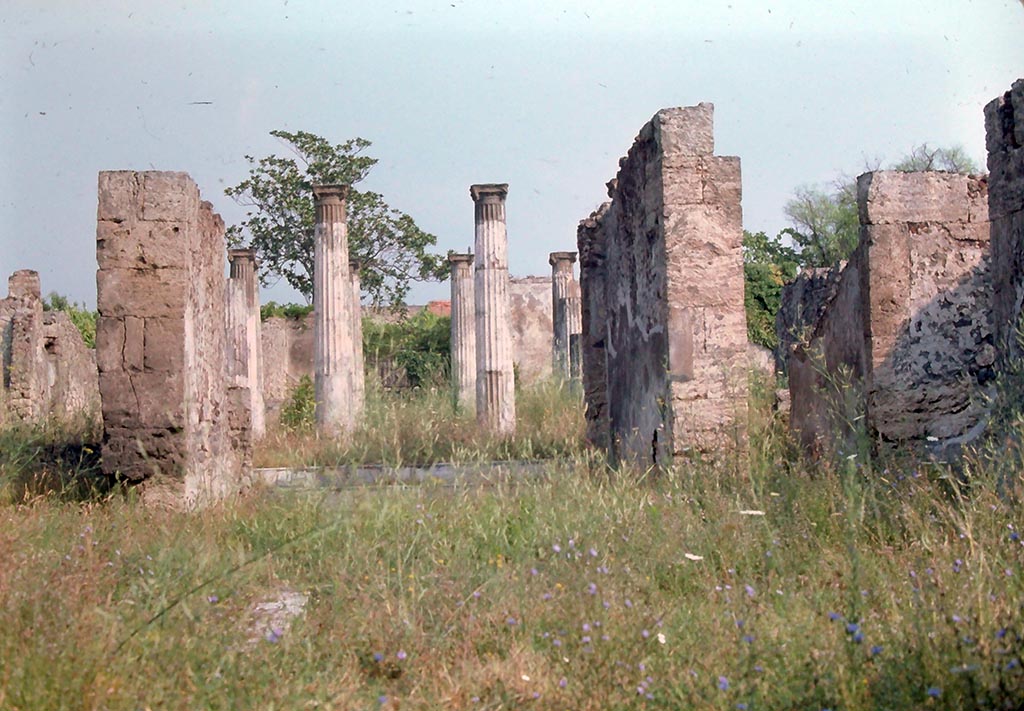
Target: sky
column 545, row 96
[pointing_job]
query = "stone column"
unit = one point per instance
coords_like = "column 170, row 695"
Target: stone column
column 572, row 305
column 561, row 277
column 358, row 364
column 495, row 380
column 245, row 352
column 463, row 333
column 332, row 313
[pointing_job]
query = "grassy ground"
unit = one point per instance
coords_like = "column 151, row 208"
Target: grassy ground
column 856, row 589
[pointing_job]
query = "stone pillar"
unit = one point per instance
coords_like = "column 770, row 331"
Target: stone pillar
column 245, row 352
column 332, row 313
column 358, row 363
column 172, row 420
column 22, row 367
column 495, row 379
column 463, row 333
column 591, row 238
column 561, row 279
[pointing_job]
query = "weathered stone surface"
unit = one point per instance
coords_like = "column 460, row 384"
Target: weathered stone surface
column 287, row 345
column 802, row 305
column 561, row 279
column 666, row 257
column 463, row 332
column 906, row 323
column 1004, row 138
column 161, row 342
column 244, row 343
column 495, row 378
column 531, row 326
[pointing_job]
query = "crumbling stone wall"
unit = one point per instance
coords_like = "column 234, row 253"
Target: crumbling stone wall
column 802, row 305
column 287, row 357
column 171, row 419
column 676, row 344
column 592, row 245
column 47, row 370
column 910, row 321
column 1004, row 140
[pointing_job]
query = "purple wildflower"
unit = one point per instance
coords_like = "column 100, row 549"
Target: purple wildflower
column 723, row 683
column 401, row 655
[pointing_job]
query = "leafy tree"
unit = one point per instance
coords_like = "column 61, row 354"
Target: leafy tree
column 826, row 228
column 768, row 263
column 924, row 157
column 280, row 219
column 83, row 319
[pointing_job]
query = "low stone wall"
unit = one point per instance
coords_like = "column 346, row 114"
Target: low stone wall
column 532, row 327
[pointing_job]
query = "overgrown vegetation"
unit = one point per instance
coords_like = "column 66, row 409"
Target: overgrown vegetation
column 83, row 319
column 776, row 587
column 413, row 352
column 293, row 311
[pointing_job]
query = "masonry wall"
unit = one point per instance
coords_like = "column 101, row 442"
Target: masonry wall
column 1004, row 140
column 287, row 357
column 532, row 329
column 47, row 370
column 592, row 245
column 910, row 322
column 676, row 347
column 802, row 304
column 171, row 420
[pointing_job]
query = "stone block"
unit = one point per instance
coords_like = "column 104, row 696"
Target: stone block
column 142, row 245
column 146, row 293
column 685, row 130
column 118, row 196
column 169, row 196
column 109, row 343
column 164, row 344
column 893, row 197
column 134, row 344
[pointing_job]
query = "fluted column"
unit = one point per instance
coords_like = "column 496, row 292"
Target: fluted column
column 245, row 349
column 358, row 365
column 463, row 333
column 332, row 314
column 495, row 380
column 561, row 279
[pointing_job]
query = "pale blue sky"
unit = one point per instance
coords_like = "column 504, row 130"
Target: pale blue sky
column 545, row 96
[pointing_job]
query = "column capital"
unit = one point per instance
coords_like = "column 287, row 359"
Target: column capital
column 330, row 193
column 561, row 257
column 246, row 254
column 488, row 192
column 456, row 258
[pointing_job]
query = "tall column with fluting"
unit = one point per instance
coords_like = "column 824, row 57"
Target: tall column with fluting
column 573, row 328
column 246, row 348
column 561, row 279
column 463, row 334
column 495, row 380
column 332, row 313
column 358, row 365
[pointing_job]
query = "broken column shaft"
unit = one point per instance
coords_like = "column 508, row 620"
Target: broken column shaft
column 495, row 380
column 358, row 366
column 463, row 333
column 332, row 312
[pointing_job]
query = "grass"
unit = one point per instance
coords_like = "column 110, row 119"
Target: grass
column 859, row 588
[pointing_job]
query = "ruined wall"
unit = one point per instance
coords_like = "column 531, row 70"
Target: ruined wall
column 802, row 304
column 47, row 370
column 909, row 321
column 170, row 417
column 592, row 245
column 532, row 329
column 1004, row 140
column 930, row 335
column 676, row 348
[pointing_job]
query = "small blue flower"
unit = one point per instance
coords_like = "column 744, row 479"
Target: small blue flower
column 723, row 683
column 382, row 699
column 378, row 657
column 852, row 627
column 934, row 692
column 748, row 638
column 834, row 616
column 876, row 650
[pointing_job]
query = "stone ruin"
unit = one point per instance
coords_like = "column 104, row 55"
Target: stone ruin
column 664, row 341
column 174, row 420
column 47, row 370
column 910, row 334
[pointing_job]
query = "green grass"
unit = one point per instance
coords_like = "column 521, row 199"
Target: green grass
column 857, row 589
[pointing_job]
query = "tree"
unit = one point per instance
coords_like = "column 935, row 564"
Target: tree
column 826, row 228
column 279, row 220
column 768, row 263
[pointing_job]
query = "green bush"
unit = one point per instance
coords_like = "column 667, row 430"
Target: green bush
column 84, row 319
column 297, row 413
column 294, row 311
column 411, row 353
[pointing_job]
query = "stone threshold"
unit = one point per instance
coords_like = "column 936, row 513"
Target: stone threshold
column 441, row 473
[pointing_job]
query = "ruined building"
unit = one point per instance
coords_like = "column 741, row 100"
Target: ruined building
column 664, row 341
